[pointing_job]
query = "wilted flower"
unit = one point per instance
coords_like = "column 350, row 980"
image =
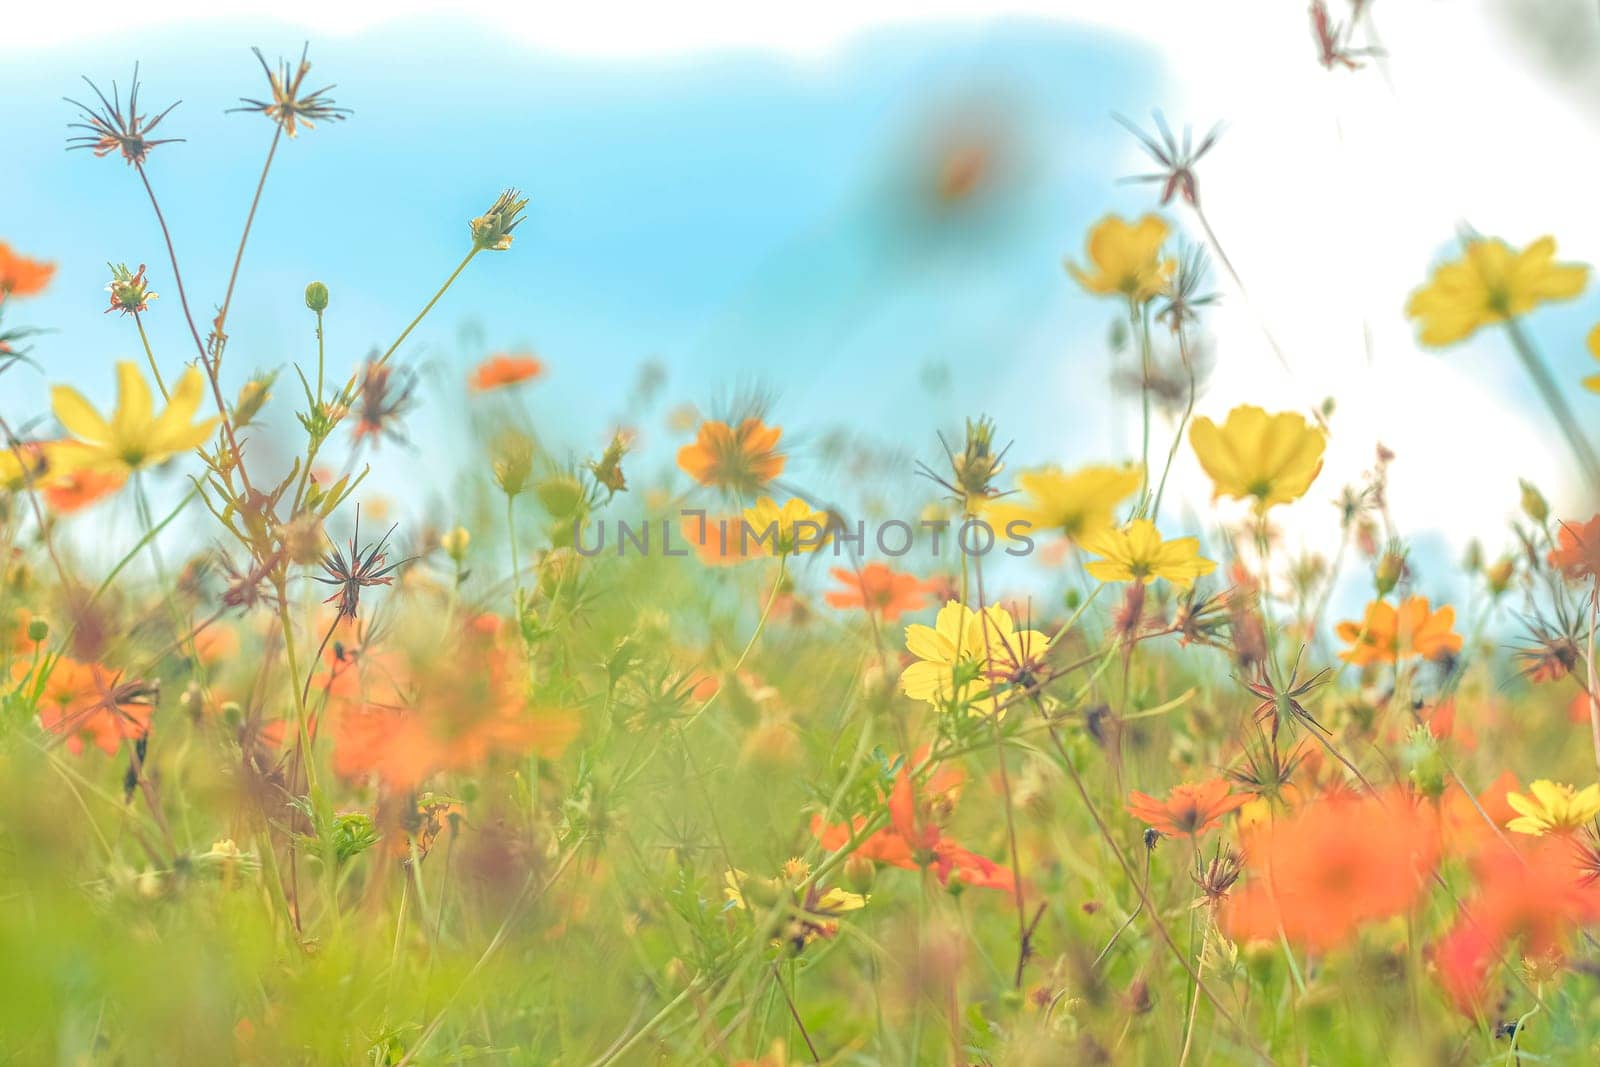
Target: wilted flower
column 288, row 108
column 1177, row 161
column 491, row 231
column 112, row 130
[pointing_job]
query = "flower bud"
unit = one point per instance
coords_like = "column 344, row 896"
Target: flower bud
column 455, row 543
column 1500, row 574
column 1534, row 504
column 491, row 231
column 1391, row 567
column 859, row 873
column 38, row 630
column 317, row 297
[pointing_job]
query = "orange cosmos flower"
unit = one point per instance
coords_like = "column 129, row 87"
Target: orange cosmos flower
column 1190, row 809
column 1535, row 896
column 84, row 702
column 468, row 706
column 915, row 838
column 1329, row 868
column 21, row 276
column 75, row 483
column 1387, row 635
column 740, row 460
column 878, row 589
column 504, row 369
column 1577, row 551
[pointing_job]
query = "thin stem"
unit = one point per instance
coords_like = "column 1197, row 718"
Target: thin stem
column 151, row 356
column 1177, row 439
column 1551, row 393
column 219, row 336
column 1594, row 699
column 398, row 341
column 172, row 257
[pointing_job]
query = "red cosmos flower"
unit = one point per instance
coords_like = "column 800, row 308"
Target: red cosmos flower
column 503, row 369
column 877, row 589
column 1534, row 894
column 1190, row 809
column 914, row 839
column 1577, row 551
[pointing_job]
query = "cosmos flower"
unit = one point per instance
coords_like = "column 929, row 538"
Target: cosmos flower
column 499, row 371
column 1577, row 551
column 787, row 530
column 1387, row 634
column 1190, row 809
column 1491, row 283
column 1125, row 260
column 21, row 276
column 1552, row 808
column 1076, row 505
column 1268, row 459
column 1534, row 897
column 877, row 589
column 1327, row 869
column 1137, row 553
column 915, row 839
column 86, row 703
column 739, row 460
column 135, row 437
column 963, row 652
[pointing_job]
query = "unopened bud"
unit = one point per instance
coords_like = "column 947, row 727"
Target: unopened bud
column 317, row 297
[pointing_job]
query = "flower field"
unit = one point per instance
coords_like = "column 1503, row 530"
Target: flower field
column 650, row 745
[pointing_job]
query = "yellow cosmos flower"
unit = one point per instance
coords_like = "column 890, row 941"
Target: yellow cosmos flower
column 1490, row 283
column 1592, row 383
column 785, row 530
column 135, row 437
column 965, row 653
column 1271, row 459
column 1552, row 808
column 1077, row 504
column 1138, row 554
column 1125, row 259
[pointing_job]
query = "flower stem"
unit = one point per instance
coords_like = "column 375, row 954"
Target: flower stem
column 151, row 356
column 398, row 341
column 1551, row 393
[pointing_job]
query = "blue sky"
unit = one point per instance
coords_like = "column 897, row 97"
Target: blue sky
column 742, row 218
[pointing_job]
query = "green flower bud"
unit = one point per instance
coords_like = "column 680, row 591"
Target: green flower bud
column 38, row 630
column 317, row 297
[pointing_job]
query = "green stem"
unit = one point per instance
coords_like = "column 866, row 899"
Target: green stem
column 151, row 356
column 398, row 341
column 1177, row 440
column 1551, row 393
